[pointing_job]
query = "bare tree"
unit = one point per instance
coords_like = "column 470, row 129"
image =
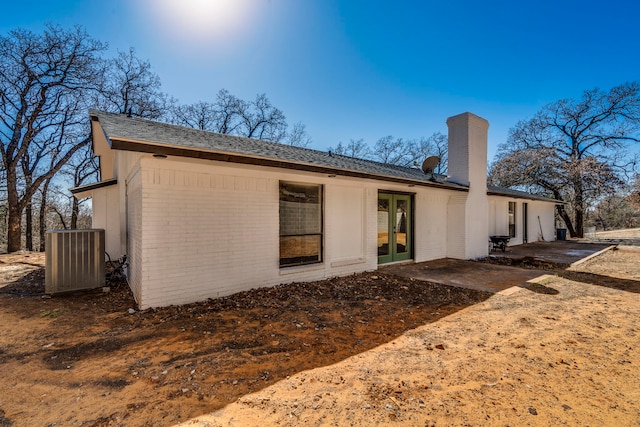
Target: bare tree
column 44, row 79
column 3, row 225
column 222, row 116
column 261, row 120
column 435, row 145
column 228, row 110
column 82, row 167
column 201, row 115
column 298, row 136
column 399, row 151
column 634, row 196
column 231, row 115
column 355, row 148
column 573, row 150
column 3, row 207
column 615, row 211
column 395, row 151
column 129, row 86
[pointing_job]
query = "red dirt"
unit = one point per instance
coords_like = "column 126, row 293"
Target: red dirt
column 89, row 359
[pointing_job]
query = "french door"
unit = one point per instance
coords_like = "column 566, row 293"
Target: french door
column 394, row 227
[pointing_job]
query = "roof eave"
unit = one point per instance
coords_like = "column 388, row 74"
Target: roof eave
column 124, row 144
column 523, row 196
column 83, row 191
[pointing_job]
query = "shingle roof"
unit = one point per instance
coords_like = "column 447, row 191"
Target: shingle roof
column 499, row 191
column 122, row 130
column 137, row 134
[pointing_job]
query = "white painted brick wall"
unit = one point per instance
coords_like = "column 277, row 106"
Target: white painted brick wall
column 499, row 219
column 207, row 241
column 134, row 232
column 456, row 225
column 546, row 212
column 201, row 229
column 468, row 136
column 500, row 205
column 345, row 225
column 430, row 224
column 208, row 229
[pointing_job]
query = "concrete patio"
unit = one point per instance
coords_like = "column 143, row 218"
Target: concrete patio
column 557, row 252
column 492, row 277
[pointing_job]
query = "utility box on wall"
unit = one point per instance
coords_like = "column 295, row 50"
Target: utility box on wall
column 74, row 260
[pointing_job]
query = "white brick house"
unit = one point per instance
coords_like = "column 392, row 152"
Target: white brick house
column 201, row 215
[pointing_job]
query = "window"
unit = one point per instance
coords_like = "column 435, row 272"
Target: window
column 512, row 219
column 300, row 224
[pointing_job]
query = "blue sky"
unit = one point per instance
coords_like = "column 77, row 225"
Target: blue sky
column 353, row 69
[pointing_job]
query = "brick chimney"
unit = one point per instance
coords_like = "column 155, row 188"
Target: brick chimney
column 468, row 136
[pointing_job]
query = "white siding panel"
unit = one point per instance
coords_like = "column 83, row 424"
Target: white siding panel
column 105, row 208
column 134, row 234
column 126, row 165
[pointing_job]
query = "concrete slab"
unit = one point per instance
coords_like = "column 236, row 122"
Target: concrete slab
column 466, row 274
column 493, row 277
column 558, row 252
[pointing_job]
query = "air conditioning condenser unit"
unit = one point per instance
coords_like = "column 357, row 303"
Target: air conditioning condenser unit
column 74, row 260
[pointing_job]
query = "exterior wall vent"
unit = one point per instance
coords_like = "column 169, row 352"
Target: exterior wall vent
column 74, row 260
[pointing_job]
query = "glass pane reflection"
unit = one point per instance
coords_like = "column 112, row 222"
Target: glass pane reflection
column 401, row 226
column 383, row 227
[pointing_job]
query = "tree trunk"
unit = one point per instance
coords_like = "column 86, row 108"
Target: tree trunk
column 42, row 216
column 579, row 208
column 567, row 220
column 14, row 214
column 579, row 231
column 75, row 211
column 28, row 232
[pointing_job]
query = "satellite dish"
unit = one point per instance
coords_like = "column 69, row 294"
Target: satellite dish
column 429, row 164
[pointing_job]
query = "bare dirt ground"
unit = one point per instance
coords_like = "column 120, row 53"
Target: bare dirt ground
column 621, row 237
column 563, row 352
column 369, row 349
column 91, row 360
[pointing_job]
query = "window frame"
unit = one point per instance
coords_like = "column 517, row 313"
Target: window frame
column 320, row 234
column 511, row 219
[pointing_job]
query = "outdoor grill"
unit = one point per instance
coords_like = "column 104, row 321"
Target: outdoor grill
column 500, row 242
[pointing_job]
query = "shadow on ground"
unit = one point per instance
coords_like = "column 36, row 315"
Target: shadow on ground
column 30, row 284
column 600, row 280
column 184, row 361
column 174, row 363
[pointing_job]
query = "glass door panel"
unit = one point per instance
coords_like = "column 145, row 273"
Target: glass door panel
column 394, row 227
column 402, row 228
column 384, row 222
column 383, row 226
